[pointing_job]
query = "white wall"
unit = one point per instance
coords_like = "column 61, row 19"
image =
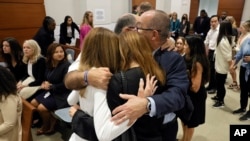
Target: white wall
column 113, row 9
column 246, row 11
column 76, row 8
column 178, row 6
column 210, row 6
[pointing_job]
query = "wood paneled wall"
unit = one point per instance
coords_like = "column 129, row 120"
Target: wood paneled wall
column 233, row 7
column 21, row 18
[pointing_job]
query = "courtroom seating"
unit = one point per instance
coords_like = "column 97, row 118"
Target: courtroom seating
column 70, row 54
column 77, row 45
column 26, row 120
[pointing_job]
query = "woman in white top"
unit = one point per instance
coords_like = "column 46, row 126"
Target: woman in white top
column 101, row 50
column 223, row 57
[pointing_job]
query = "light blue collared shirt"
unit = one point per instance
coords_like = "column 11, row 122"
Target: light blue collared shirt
column 167, row 117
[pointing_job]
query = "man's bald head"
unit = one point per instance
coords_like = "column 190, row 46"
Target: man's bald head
column 157, row 20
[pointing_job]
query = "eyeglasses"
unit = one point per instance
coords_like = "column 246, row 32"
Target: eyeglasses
column 147, row 29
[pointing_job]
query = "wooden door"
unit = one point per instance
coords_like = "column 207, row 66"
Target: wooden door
column 233, row 8
column 137, row 2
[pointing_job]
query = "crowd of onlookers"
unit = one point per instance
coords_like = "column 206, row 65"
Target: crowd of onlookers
column 127, row 84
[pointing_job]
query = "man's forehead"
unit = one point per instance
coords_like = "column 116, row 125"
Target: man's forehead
column 147, row 16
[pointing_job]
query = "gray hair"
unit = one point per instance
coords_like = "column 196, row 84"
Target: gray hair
column 125, row 20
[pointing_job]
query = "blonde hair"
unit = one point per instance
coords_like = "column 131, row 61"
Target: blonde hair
column 36, row 54
column 135, row 47
column 232, row 21
column 86, row 19
column 246, row 25
column 100, row 50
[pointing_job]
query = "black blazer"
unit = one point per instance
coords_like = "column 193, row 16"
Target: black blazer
column 203, row 27
column 58, row 88
column 63, row 32
column 44, row 38
column 146, row 128
column 38, row 71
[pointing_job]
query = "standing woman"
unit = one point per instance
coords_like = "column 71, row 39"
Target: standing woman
column 54, row 93
column 67, row 30
column 234, row 85
column 35, row 69
column 244, row 50
column 10, row 108
column 12, row 54
column 223, row 59
column 184, row 26
column 86, row 26
column 198, row 68
column 174, row 26
column 244, row 34
column 45, row 35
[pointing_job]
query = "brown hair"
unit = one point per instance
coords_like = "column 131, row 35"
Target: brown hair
column 50, row 51
column 135, row 47
column 100, row 50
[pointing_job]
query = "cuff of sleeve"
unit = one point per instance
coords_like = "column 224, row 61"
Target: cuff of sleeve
column 153, row 107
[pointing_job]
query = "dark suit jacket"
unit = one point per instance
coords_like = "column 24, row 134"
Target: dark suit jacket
column 63, row 32
column 38, row 71
column 171, row 98
column 203, row 27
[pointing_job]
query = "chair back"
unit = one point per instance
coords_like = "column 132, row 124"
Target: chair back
column 27, row 116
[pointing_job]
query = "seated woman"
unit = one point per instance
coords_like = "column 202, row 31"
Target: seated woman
column 54, row 93
column 10, row 108
column 134, row 49
column 35, row 69
column 67, row 30
column 12, row 54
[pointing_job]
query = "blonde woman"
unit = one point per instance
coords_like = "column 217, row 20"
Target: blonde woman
column 86, row 26
column 35, row 69
column 244, row 34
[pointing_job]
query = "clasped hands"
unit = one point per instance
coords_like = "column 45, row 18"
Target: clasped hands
column 46, row 85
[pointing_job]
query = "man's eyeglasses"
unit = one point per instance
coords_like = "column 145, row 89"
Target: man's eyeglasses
column 147, row 29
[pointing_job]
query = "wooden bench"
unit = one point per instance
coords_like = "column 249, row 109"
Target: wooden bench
column 26, row 120
column 77, row 50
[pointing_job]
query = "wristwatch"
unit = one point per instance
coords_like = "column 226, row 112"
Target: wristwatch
column 149, row 106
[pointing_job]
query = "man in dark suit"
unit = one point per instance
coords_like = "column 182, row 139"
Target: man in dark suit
column 154, row 24
column 202, row 24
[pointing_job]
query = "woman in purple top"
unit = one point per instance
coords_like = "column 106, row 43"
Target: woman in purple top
column 86, row 26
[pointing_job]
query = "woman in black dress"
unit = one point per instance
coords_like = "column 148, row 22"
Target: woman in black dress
column 54, row 93
column 197, row 68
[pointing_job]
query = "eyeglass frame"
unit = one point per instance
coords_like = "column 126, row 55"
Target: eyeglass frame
column 147, row 29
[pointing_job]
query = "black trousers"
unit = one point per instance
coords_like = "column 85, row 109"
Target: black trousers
column 170, row 130
column 220, row 80
column 244, row 88
column 212, row 80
